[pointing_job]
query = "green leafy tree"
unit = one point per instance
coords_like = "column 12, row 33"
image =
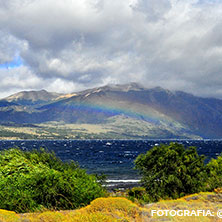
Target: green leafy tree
column 214, row 172
column 35, row 180
column 171, row 171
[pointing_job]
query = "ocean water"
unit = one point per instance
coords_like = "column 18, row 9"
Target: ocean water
column 113, row 158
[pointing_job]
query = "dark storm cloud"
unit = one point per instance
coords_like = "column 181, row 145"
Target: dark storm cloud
column 67, row 45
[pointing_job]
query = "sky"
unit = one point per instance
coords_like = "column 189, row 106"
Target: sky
column 71, row 45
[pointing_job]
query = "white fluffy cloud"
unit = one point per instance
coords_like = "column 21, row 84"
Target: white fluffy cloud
column 68, row 45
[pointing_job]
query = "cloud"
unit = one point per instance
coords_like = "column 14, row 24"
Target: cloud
column 68, row 45
column 14, row 80
column 22, row 78
column 9, row 47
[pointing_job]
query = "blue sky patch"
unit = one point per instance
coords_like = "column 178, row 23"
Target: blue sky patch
column 16, row 62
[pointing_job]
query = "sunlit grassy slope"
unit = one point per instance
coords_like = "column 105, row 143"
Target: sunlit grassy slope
column 113, row 209
column 118, row 127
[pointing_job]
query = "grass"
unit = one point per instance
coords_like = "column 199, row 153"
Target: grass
column 11, row 216
column 119, row 209
column 117, row 127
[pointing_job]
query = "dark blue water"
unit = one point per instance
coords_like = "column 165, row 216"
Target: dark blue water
column 111, row 157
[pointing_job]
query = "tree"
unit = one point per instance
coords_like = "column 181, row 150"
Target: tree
column 171, row 171
column 214, row 172
column 36, row 180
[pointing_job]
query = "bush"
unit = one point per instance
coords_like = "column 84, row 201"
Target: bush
column 138, row 194
column 171, row 171
column 214, row 171
column 33, row 180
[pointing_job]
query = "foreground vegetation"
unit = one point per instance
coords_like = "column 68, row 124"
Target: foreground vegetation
column 173, row 171
column 114, row 209
column 37, row 180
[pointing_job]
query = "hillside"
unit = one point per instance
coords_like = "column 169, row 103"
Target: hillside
column 27, row 98
column 120, row 209
column 124, row 111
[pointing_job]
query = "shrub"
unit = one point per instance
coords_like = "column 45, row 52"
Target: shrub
column 171, row 171
column 138, row 194
column 33, row 180
column 100, row 210
column 214, row 171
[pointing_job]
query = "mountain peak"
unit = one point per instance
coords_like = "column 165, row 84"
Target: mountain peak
column 32, row 96
column 169, row 113
column 125, row 87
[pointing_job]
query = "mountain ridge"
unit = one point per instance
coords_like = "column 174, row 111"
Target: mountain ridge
column 32, row 97
column 159, row 109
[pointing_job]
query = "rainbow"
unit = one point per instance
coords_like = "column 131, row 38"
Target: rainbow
column 148, row 114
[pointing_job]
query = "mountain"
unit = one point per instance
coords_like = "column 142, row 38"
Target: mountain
column 5, row 103
column 130, row 110
column 27, row 98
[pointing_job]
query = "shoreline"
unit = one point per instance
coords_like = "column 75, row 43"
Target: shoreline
column 122, row 185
